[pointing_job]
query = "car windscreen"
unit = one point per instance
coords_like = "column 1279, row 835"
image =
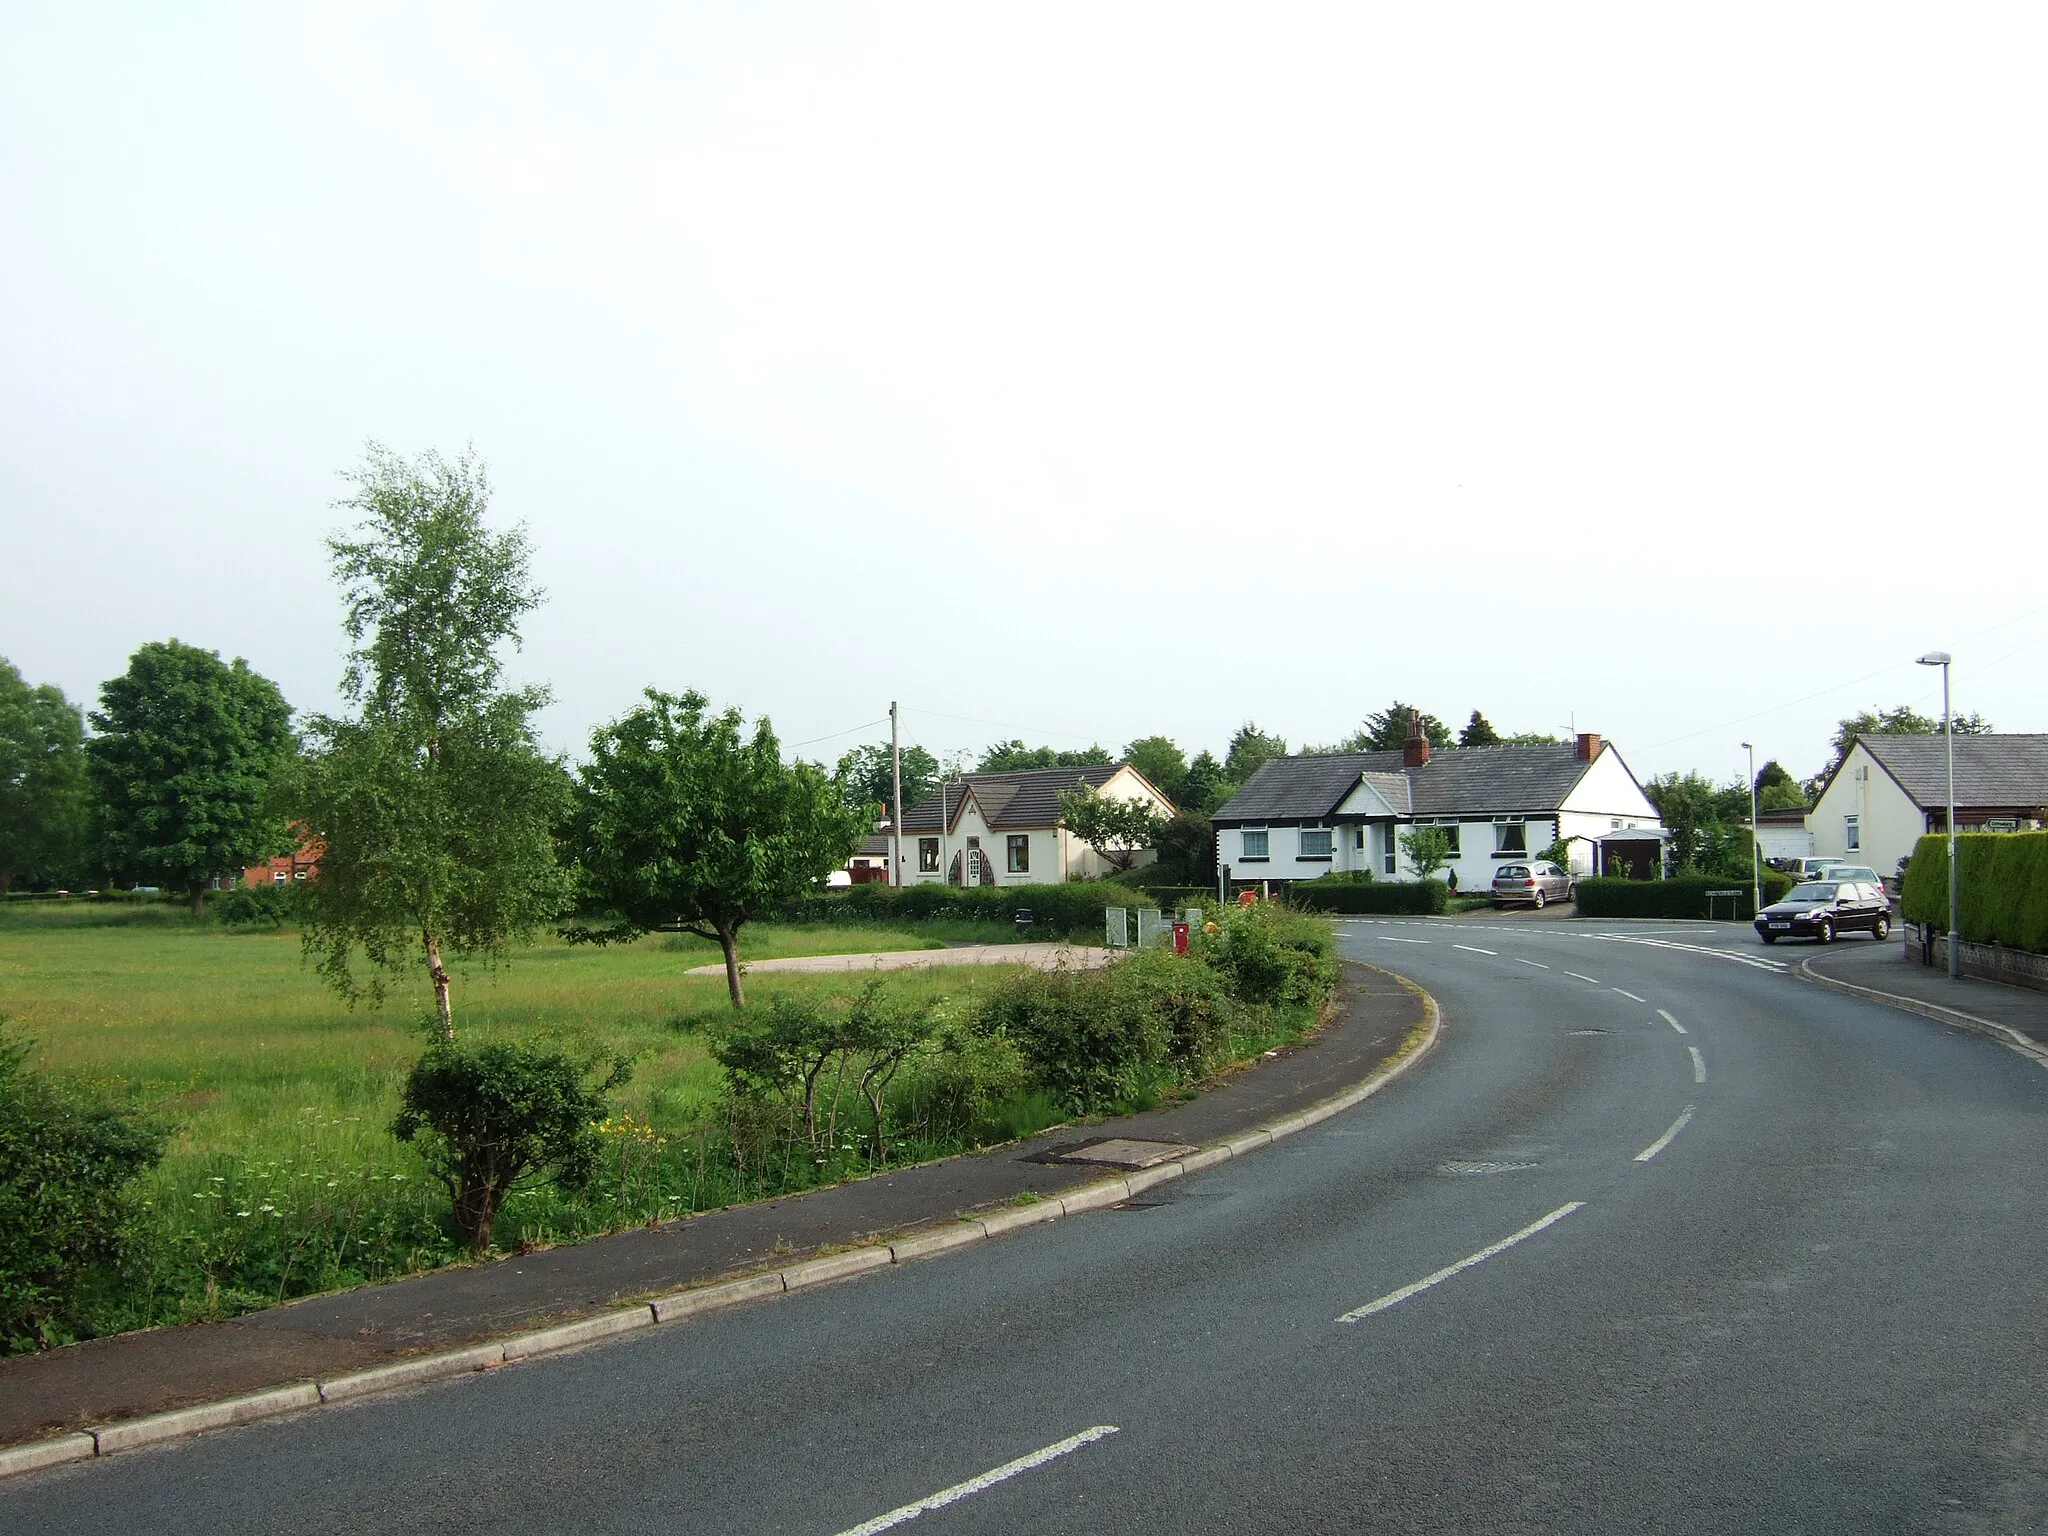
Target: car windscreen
column 1512, row 872
column 1813, row 891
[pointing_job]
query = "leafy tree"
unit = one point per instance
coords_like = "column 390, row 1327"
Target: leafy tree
column 498, row 1116
column 1010, row 756
column 1187, row 850
column 65, row 1176
column 1207, row 785
column 1531, row 739
column 865, row 778
column 1387, row 731
column 1250, row 750
column 183, row 767
column 43, row 797
column 1163, row 764
column 685, row 819
column 1903, row 721
column 1428, row 848
column 1777, row 790
column 434, row 801
column 1119, row 830
column 1698, row 812
column 1478, row 732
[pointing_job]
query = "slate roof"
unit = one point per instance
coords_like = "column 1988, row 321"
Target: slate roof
column 1456, row 781
column 1994, row 772
column 1030, row 797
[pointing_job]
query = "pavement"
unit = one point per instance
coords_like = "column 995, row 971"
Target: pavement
column 1894, row 969
column 1043, row 957
column 103, row 1380
column 1659, row 1237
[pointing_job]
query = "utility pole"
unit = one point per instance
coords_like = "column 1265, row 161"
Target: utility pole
column 1941, row 659
column 895, row 800
column 1756, row 852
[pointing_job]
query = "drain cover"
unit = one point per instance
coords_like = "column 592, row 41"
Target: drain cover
column 1115, row 1152
column 1473, row 1170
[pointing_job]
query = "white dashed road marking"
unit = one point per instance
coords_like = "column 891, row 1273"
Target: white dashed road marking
column 959, row 1491
column 1537, row 963
column 1666, row 1139
column 1395, row 1298
column 1474, row 949
column 1577, row 977
column 1624, row 991
column 1699, row 1064
column 1672, row 1022
column 1390, row 939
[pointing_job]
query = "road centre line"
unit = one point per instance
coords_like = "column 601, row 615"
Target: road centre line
column 1390, row 939
column 1699, row 1064
column 1624, row 991
column 1395, row 1298
column 1577, row 977
column 1537, row 963
column 959, row 1491
column 1672, row 1022
column 1474, row 949
column 1666, row 1139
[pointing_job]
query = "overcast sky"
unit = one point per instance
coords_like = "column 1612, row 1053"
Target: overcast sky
column 1084, row 372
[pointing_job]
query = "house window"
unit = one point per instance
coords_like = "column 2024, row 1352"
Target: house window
column 1450, row 832
column 1510, row 837
column 1852, row 835
column 1358, row 837
column 1255, row 842
column 928, row 855
column 1020, row 853
column 279, row 876
column 1390, row 856
column 1315, row 842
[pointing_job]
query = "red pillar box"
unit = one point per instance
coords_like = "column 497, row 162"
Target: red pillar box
column 1180, row 938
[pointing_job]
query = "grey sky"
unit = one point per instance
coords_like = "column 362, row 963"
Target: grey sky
column 1091, row 371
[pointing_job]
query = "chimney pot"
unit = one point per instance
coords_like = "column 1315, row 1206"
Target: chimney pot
column 1415, row 750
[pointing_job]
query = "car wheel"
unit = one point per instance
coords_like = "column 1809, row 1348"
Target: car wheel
column 1539, row 901
column 1881, row 929
column 1826, row 932
column 1768, row 938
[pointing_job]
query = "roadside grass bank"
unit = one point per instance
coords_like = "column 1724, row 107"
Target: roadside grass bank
column 281, row 1176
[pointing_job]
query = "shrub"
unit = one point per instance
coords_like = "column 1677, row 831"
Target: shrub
column 64, row 1198
column 1415, row 898
column 1086, row 1039
column 1682, row 896
column 253, row 906
column 491, row 1118
column 1069, row 911
column 2001, row 887
column 1191, row 998
column 1272, row 954
column 965, row 1075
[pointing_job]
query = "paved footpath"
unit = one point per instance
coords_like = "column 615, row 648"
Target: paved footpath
column 1895, row 970
column 106, row 1379
column 1043, row 957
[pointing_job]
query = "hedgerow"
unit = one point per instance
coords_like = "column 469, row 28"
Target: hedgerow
column 1416, row 898
column 1682, row 896
column 2001, row 887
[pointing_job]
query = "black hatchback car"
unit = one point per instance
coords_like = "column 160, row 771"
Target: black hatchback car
column 1820, row 909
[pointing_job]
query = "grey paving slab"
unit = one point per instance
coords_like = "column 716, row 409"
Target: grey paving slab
column 1891, row 967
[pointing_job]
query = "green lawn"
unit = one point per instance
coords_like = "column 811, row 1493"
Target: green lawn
column 278, row 1097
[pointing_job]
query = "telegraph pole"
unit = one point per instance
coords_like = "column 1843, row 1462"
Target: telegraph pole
column 896, row 800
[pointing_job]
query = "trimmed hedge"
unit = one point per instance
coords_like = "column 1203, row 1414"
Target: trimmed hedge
column 2001, row 887
column 1415, row 898
column 1683, row 896
column 1066, row 911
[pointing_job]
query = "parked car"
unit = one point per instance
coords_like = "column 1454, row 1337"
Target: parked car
column 1538, row 884
column 1812, row 868
column 1820, row 909
column 1862, row 874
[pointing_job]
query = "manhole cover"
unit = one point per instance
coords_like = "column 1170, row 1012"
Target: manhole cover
column 1473, row 1170
column 1115, row 1152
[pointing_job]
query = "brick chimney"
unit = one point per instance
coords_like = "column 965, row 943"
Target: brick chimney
column 1415, row 750
column 1589, row 746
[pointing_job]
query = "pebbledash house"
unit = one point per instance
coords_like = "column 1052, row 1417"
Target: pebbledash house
column 1301, row 817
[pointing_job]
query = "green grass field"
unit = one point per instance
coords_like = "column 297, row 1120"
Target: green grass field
column 281, row 1175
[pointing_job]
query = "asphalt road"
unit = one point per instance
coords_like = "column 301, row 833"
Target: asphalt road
column 1817, row 1306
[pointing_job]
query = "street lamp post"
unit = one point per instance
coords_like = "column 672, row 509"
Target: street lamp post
column 1948, row 730
column 1756, row 852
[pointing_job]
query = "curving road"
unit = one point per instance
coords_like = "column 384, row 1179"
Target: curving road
column 1660, row 1237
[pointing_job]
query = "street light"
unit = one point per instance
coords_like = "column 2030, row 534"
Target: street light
column 1756, row 852
column 1948, row 730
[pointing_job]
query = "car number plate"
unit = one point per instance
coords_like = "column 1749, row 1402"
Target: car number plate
column 1776, row 926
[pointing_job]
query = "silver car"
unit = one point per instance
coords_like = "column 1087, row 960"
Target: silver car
column 1539, row 883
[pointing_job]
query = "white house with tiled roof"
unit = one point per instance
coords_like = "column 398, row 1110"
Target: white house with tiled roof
column 1890, row 791
column 1004, row 828
column 1301, row 817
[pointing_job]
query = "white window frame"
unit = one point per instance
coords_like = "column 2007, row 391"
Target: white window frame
column 1521, row 834
column 927, row 855
column 1852, row 835
column 1018, row 853
column 1264, row 845
column 1325, row 846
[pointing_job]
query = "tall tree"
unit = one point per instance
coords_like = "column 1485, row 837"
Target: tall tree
column 1010, row 756
column 187, row 751
column 1698, row 812
column 865, row 777
column 1777, row 790
column 1902, row 721
column 1163, row 764
column 1387, row 731
column 43, row 797
column 686, row 819
column 1250, row 750
column 434, row 801
column 1478, row 732
column 1206, row 787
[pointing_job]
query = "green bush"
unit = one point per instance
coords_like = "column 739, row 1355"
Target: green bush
column 1682, row 896
column 253, row 906
column 1089, row 1041
column 1072, row 910
column 2001, row 887
column 490, row 1118
column 1271, row 954
column 65, row 1171
column 1414, row 898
